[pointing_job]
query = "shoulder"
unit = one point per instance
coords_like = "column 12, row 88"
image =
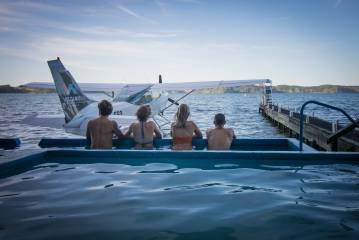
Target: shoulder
column 151, row 123
column 191, row 123
column 230, row 131
column 209, row 131
column 91, row 122
column 114, row 123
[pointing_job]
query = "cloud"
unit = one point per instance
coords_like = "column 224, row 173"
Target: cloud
column 134, row 14
column 337, row 3
column 162, row 6
column 115, row 32
column 25, row 8
column 189, row 1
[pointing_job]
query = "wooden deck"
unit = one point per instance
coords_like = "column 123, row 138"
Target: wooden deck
column 316, row 131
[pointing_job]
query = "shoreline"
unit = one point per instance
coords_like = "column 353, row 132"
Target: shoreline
column 242, row 89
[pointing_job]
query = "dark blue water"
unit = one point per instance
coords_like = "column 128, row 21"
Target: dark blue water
column 165, row 201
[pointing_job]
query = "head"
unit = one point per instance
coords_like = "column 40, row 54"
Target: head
column 143, row 113
column 182, row 115
column 219, row 120
column 104, row 108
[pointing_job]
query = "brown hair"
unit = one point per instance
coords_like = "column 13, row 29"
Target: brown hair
column 219, row 119
column 104, row 108
column 143, row 113
column 182, row 116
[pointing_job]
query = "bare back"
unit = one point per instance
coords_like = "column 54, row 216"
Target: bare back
column 101, row 131
column 220, row 138
column 143, row 133
column 190, row 130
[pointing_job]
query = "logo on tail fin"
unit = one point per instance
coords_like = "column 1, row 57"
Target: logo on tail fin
column 70, row 89
column 71, row 97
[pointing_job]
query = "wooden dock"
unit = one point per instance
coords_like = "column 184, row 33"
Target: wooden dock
column 316, row 131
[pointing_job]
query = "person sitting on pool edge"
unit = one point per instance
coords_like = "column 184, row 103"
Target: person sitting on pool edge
column 143, row 131
column 219, row 138
column 182, row 130
column 101, row 130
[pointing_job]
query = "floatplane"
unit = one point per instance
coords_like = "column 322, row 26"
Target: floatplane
column 79, row 109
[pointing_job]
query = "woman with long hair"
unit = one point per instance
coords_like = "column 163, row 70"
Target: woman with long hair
column 143, row 131
column 183, row 130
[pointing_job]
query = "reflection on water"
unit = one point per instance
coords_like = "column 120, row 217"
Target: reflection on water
column 148, row 202
column 219, row 200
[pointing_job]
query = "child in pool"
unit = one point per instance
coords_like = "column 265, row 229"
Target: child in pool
column 219, row 138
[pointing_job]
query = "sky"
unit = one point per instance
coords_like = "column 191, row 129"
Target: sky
column 294, row 42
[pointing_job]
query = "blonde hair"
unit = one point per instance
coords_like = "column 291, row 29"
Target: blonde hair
column 182, row 116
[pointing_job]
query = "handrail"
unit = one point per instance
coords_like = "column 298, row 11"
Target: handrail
column 321, row 104
column 342, row 132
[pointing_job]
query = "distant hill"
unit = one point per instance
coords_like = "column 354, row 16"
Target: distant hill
column 242, row 89
column 22, row 89
column 321, row 89
column 287, row 89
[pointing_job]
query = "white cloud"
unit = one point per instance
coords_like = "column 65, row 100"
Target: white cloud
column 134, row 14
column 115, row 32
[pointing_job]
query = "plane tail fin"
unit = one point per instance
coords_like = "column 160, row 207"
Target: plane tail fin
column 71, row 97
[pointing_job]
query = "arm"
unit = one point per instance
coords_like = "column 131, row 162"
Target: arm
column 117, row 131
column 157, row 131
column 171, row 132
column 129, row 131
column 208, row 133
column 197, row 132
column 234, row 136
column 88, row 134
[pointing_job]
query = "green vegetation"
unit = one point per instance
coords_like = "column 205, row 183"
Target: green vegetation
column 22, row 89
column 321, row 89
column 287, row 89
column 242, row 89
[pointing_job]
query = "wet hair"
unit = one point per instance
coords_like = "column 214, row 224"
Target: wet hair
column 143, row 113
column 219, row 119
column 104, row 108
column 182, row 116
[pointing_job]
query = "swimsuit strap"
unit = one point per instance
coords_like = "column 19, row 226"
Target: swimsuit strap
column 142, row 131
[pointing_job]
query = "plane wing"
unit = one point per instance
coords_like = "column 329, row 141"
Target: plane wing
column 126, row 90
column 212, row 84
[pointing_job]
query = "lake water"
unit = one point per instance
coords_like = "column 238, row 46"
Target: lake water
column 241, row 111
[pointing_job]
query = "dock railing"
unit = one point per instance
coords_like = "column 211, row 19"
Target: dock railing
column 324, row 105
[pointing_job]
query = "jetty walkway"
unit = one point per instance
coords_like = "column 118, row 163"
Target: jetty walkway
column 316, row 131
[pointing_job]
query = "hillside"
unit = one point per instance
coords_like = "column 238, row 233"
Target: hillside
column 22, row 89
column 242, row 89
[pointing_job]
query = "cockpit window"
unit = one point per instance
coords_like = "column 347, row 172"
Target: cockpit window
column 148, row 97
column 137, row 94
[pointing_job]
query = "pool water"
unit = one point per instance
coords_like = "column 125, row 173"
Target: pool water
column 169, row 201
